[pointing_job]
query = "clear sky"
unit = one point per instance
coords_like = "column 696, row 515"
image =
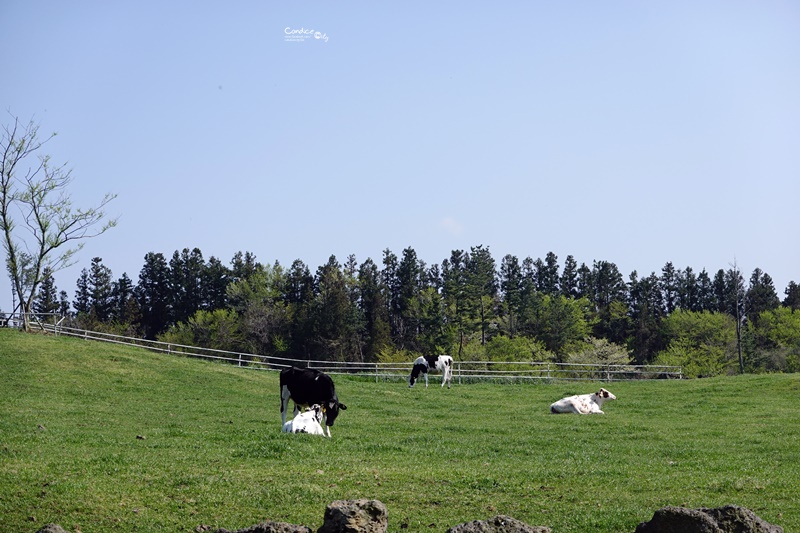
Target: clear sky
column 627, row 131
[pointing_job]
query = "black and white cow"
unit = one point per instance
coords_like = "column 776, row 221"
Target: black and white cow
column 432, row 363
column 305, row 387
column 583, row 404
column 309, row 421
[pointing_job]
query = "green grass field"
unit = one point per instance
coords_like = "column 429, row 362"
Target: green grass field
column 99, row 437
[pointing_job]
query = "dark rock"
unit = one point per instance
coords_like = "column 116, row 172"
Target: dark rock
column 498, row 524
column 355, row 516
column 728, row 519
column 271, row 527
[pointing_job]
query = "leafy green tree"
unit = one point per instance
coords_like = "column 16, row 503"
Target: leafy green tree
column 558, row 321
column 217, row 329
column 260, row 303
column 703, row 343
column 501, row 348
column 777, row 336
column 595, row 351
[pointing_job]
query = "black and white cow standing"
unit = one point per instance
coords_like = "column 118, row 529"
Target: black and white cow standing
column 306, row 387
column 432, row 363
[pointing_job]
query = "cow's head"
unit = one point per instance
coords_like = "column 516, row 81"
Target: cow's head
column 331, row 410
column 603, row 393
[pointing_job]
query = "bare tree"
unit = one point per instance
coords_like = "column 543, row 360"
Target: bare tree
column 40, row 228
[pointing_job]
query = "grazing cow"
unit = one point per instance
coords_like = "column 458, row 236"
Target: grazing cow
column 305, row 387
column 309, row 421
column 583, row 404
column 432, row 363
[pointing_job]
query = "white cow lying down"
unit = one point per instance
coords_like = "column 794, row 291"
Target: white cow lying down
column 583, row 404
column 309, row 421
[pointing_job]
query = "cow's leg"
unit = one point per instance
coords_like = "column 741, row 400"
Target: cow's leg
column 285, row 403
column 426, row 380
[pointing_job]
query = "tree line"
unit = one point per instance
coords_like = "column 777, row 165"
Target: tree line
column 467, row 306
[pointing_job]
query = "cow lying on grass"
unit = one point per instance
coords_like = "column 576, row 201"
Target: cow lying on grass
column 583, row 404
column 432, row 363
column 309, row 421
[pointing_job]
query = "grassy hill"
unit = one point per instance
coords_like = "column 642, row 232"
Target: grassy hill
column 99, row 437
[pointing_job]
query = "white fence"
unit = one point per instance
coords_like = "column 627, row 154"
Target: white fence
column 463, row 371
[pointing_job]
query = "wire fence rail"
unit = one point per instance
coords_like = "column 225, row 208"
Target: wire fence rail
column 463, row 371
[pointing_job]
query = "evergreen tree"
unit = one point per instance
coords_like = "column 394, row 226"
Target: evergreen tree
column 547, row 274
column 705, row 292
column 100, row 290
column 123, row 302
column 585, row 289
column 569, row 278
column 63, row 303
column 216, row 277
column 46, row 301
column 332, row 333
column 644, row 301
column 511, row 288
column 761, row 295
column 299, row 296
column 187, row 273
column 669, row 287
column 374, row 309
column 153, row 295
column 454, row 292
column 82, row 302
column 792, row 300
column 688, row 291
column 482, row 289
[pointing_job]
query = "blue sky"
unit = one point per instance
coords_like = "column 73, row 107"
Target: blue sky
column 632, row 132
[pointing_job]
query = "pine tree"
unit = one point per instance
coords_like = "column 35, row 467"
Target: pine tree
column 569, row 278
column 82, row 302
column 792, row 300
column 153, row 295
column 100, row 291
column 46, row 301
